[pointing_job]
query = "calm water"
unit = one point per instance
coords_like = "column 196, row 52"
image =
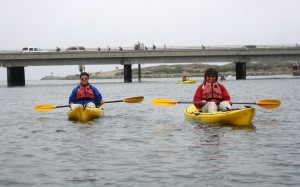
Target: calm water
column 144, row 145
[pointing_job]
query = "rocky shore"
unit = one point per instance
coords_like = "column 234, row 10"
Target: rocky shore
column 192, row 70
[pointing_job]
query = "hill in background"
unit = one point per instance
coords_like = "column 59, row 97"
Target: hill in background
column 191, row 70
column 196, row 70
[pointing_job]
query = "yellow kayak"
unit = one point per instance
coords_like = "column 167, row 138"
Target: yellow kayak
column 80, row 114
column 187, row 82
column 242, row 116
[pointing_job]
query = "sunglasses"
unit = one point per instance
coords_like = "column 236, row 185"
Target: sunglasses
column 84, row 78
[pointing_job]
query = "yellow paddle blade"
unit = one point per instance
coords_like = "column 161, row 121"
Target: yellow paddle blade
column 44, row 107
column 269, row 104
column 163, row 102
column 134, row 99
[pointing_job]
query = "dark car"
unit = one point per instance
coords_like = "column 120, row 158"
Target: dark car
column 250, row 46
column 76, row 48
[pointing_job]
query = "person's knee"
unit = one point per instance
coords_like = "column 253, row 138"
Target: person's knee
column 224, row 106
column 72, row 106
column 212, row 107
column 91, row 105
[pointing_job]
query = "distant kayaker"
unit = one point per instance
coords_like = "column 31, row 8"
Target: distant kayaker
column 184, row 78
column 212, row 96
column 222, row 78
column 85, row 94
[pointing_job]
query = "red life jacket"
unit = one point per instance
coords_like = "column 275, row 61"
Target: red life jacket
column 85, row 92
column 212, row 92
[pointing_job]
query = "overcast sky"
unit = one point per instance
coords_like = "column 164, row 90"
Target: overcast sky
column 92, row 23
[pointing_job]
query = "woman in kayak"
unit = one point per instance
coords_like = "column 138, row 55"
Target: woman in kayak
column 85, row 94
column 212, row 96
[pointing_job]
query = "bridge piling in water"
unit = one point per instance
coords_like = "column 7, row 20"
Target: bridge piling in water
column 240, row 69
column 127, row 73
column 139, row 72
column 15, row 76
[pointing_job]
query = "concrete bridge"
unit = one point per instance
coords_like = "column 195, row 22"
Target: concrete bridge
column 15, row 61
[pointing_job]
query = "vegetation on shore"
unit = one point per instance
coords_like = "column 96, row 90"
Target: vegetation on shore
column 192, row 70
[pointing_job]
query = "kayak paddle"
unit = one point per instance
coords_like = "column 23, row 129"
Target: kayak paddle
column 269, row 104
column 129, row 100
column 167, row 102
column 49, row 107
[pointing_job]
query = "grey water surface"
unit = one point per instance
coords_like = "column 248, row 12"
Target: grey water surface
column 145, row 145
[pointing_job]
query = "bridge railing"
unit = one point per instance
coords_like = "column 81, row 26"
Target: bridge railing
column 214, row 47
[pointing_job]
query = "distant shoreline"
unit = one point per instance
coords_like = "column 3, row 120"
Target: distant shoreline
column 75, row 77
column 190, row 70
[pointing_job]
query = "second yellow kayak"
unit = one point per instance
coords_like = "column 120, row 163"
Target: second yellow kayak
column 242, row 116
column 187, row 82
column 85, row 114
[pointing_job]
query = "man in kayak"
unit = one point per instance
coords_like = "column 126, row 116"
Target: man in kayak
column 212, row 96
column 85, row 94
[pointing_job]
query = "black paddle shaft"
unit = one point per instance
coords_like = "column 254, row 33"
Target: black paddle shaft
column 117, row 101
column 114, row 101
column 186, row 102
column 62, row 106
column 243, row 103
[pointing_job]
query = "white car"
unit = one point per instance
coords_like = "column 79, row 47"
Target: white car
column 76, row 48
column 31, row 49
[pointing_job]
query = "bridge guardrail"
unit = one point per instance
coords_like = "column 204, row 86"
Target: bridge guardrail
column 162, row 48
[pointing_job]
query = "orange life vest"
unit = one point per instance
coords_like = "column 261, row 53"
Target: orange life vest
column 85, row 92
column 212, row 91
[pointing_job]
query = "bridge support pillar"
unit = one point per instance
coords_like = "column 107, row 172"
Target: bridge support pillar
column 127, row 73
column 15, row 76
column 240, row 70
column 139, row 70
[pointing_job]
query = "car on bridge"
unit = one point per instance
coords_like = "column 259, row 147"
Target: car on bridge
column 250, row 46
column 76, row 48
column 31, row 49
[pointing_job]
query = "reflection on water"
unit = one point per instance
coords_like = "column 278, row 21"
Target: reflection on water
column 212, row 134
column 144, row 145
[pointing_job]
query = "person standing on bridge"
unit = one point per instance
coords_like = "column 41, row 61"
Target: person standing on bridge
column 85, row 94
column 212, row 96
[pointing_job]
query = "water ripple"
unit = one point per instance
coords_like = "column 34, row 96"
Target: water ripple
column 144, row 145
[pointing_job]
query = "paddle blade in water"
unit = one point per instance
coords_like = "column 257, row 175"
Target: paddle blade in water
column 163, row 102
column 134, row 99
column 269, row 104
column 44, row 107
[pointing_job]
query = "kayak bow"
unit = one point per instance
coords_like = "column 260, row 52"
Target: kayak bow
column 241, row 117
column 85, row 114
